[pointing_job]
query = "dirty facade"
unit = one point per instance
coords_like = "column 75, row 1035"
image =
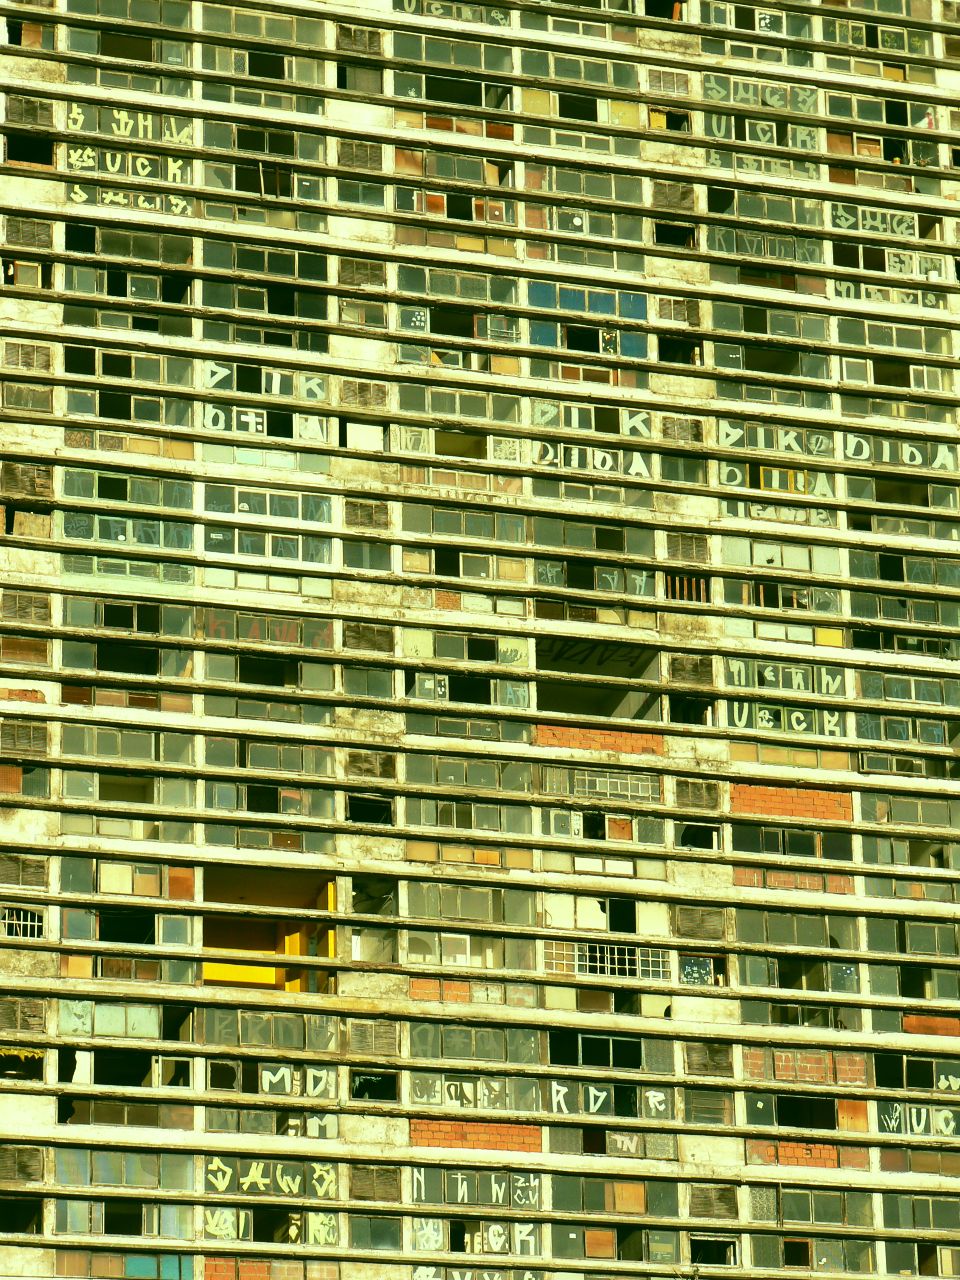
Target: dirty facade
column 479, row 630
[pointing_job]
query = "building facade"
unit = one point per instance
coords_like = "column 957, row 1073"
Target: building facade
column 479, row 631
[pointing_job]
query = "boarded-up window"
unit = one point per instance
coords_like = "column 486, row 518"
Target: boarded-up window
column 377, row 1037
column 23, row 480
column 698, row 922
column 361, row 155
column 688, row 546
column 375, row 1182
column 20, row 1015
column 694, row 794
column 25, row 606
column 21, row 1164
column 29, row 233
column 26, row 355
column 364, row 635
column 708, row 1059
column 29, row 111
column 23, row 737
column 710, row 1201
column 20, row 870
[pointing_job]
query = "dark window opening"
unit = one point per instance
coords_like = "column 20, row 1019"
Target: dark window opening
column 374, row 1086
column 80, row 360
column 707, row 1251
column 21, row 1066
column 686, row 709
column 266, row 66
column 806, row 1112
column 579, row 337
column 594, row 825
column 797, row 1253
column 80, row 237
column 375, row 809
column 624, row 1100
column 131, row 1068
column 262, row 799
column 622, row 915
column 29, row 148
column 122, row 44
column 672, row 10
column 630, row 1243
column 458, row 1235
column 699, row 836
column 679, row 235
column 679, row 350
column 577, row 106
column 21, row 1215
column 594, row 1141
column 474, row 689
column 131, row 924
column 446, row 562
column 131, row 659
column 452, row 321
column 274, row 1225
column 122, row 1218
column 463, row 91
column 254, row 669
column 460, row 207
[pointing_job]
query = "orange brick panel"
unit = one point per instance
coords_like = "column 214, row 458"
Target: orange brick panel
column 623, row 743
column 460, row 1133
column 790, row 802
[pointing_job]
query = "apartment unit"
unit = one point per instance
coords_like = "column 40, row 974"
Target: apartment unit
column 479, row 636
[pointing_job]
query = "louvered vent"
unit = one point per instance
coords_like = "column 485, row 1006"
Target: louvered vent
column 31, row 1015
column 25, row 606
column 363, row 273
column 29, row 233
column 23, row 480
column 364, row 635
column 698, row 922
column 661, row 80
column 29, row 111
column 365, row 395
column 21, row 1164
column 359, row 39
column 709, row 1201
column 375, row 1182
column 688, row 546
column 23, row 737
column 16, row 869
column 361, row 155
column 26, row 355
column 379, row 1037
column 708, row 1059
column 692, row 794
